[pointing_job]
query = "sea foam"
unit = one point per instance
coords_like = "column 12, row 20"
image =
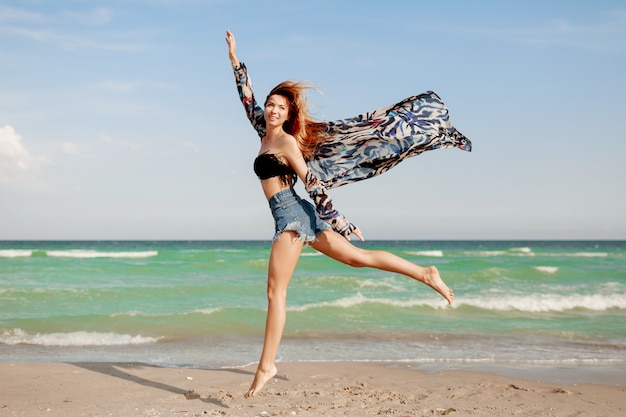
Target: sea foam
column 81, row 338
column 510, row 252
column 358, row 299
column 539, row 303
column 547, row 269
column 15, row 253
column 587, row 254
column 428, row 253
column 79, row 253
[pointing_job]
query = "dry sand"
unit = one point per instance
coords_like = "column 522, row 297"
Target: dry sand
column 303, row 389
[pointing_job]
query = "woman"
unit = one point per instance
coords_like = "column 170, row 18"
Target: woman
column 289, row 139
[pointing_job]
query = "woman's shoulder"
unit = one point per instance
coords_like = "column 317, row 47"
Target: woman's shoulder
column 287, row 141
column 288, row 145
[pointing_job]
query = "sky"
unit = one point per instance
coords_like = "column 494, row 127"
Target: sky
column 120, row 119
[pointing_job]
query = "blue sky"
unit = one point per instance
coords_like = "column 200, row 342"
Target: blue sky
column 119, row 119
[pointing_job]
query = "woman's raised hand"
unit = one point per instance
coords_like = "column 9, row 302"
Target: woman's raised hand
column 232, row 48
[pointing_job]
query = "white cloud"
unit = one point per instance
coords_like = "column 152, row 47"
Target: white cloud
column 120, row 143
column 601, row 32
column 117, row 86
column 190, row 145
column 16, row 161
column 71, row 41
column 10, row 14
column 59, row 29
column 97, row 16
column 70, row 148
column 606, row 34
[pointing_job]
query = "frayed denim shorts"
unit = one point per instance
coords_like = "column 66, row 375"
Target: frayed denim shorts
column 291, row 213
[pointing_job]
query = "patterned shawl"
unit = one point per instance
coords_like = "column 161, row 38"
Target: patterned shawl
column 372, row 143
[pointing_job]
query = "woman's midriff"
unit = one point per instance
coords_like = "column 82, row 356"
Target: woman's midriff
column 272, row 186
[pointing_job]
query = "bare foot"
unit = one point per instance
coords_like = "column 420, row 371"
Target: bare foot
column 436, row 283
column 260, row 379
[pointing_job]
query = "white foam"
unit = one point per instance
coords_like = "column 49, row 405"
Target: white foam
column 538, row 303
column 529, row 252
column 15, row 253
column 81, row 338
column 80, row 253
column 207, row 311
column 535, row 303
column 487, row 253
column 510, row 252
column 586, row 254
column 135, row 313
column 522, row 250
column 547, row 269
column 372, row 283
column 358, row 298
column 429, row 253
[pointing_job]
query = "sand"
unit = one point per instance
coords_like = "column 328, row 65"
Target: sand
column 302, row 389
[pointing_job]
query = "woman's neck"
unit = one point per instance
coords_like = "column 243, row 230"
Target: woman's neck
column 274, row 132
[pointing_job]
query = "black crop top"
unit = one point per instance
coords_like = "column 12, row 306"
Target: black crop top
column 267, row 165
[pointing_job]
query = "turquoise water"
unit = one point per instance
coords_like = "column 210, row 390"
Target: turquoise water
column 203, row 304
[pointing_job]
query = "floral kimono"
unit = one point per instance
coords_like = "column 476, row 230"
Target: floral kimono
column 365, row 145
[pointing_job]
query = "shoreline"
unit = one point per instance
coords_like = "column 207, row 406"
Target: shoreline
column 300, row 389
column 216, row 354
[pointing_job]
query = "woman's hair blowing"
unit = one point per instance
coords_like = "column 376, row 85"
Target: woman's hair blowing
column 300, row 125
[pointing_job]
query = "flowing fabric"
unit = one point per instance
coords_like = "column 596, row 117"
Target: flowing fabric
column 372, row 143
column 365, row 145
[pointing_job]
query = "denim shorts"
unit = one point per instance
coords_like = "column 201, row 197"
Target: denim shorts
column 291, row 213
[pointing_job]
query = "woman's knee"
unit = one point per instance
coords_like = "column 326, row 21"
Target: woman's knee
column 276, row 289
column 359, row 261
column 338, row 248
column 356, row 258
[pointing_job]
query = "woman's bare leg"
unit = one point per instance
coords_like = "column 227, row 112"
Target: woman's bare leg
column 337, row 247
column 283, row 259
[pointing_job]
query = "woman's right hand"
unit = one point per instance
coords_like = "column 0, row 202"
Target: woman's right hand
column 232, row 48
column 357, row 233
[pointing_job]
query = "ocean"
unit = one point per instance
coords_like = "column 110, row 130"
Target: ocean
column 519, row 304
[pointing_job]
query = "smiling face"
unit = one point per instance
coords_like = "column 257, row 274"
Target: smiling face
column 276, row 110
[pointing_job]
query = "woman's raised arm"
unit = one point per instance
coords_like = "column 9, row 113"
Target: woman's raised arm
column 254, row 112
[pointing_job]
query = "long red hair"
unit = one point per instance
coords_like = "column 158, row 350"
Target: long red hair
column 300, row 125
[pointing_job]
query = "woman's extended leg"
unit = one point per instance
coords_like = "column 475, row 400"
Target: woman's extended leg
column 337, row 247
column 283, row 259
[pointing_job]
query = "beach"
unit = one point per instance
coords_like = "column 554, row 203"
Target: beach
column 174, row 328
column 300, row 389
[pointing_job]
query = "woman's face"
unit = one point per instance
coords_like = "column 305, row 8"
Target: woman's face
column 276, row 110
